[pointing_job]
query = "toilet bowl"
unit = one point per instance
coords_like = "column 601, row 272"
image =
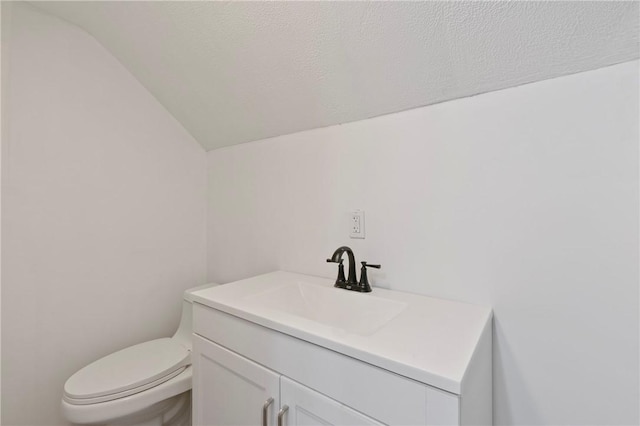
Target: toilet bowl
column 145, row 384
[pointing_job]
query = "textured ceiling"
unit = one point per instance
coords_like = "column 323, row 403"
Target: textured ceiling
column 233, row 72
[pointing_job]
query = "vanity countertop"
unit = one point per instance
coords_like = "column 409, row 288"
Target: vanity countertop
column 423, row 338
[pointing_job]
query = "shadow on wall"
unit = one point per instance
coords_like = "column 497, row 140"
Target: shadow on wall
column 505, row 365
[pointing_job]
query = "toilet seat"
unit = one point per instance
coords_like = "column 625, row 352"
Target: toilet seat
column 127, row 372
column 106, row 412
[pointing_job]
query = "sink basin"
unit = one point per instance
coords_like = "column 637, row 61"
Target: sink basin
column 352, row 312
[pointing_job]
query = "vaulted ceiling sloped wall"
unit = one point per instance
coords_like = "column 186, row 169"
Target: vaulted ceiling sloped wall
column 234, row 72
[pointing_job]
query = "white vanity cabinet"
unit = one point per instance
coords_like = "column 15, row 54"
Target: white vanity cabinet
column 246, row 357
column 232, row 390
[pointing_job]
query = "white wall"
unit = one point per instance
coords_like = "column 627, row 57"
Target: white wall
column 103, row 212
column 524, row 199
column 3, row 21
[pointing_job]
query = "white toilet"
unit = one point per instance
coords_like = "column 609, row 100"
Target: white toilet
column 145, row 384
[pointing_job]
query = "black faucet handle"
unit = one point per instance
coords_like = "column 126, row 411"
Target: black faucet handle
column 335, row 261
column 363, row 285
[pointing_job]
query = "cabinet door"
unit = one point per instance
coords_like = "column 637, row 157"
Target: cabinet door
column 229, row 389
column 308, row 407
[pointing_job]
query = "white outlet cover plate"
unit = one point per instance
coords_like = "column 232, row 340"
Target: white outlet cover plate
column 356, row 216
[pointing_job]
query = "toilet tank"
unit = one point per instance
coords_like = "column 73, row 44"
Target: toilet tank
column 183, row 334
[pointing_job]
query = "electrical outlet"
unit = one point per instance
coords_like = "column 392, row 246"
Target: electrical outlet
column 356, row 224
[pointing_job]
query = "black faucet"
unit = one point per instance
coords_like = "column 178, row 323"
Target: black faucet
column 351, row 283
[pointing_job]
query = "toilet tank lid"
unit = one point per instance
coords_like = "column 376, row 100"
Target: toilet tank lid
column 128, row 368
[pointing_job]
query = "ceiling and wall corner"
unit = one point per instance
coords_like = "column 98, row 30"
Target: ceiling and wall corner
column 234, row 72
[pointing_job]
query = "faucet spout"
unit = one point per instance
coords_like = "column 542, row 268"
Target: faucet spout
column 337, row 258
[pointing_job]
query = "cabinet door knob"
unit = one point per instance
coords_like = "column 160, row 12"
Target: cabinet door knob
column 265, row 409
column 281, row 413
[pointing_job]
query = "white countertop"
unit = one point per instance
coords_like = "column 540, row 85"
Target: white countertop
column 431, row 340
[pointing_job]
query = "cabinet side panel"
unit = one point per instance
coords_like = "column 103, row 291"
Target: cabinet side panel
column 443, row 408
column 476, row 401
